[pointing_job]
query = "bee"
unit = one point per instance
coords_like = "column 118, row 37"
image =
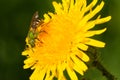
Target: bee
column 32, row 34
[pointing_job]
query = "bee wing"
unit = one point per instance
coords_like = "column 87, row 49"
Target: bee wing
column 35, row 20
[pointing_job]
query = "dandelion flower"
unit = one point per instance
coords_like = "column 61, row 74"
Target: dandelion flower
column 62, row 39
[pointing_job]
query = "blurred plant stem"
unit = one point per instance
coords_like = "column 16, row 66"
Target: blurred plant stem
column 94, row 55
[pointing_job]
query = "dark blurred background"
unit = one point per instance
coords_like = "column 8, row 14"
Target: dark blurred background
column 15, row 17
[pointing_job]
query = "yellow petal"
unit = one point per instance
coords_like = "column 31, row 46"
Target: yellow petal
column 38, row 74
column 71, row 73
column 91, row 14
column 77, row 69
column 71, row 7
column 96, row 10
column 88, row 25
column 66, row 4
column 83, row 56
column 58, row 7
column 29, row 62
column 60, row 69
column 95, row 32
column 80, row 63
column 79, row 4
column 48, row 75
column 82, row 46
column 95, row 43
column 46, row 18
column 103, row 20
column 91, row 5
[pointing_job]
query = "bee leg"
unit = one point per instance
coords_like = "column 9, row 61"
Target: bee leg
column 39, row 40
column 43, row 31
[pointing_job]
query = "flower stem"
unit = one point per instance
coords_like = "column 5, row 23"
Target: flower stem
column 104, row 71
column 94, row 55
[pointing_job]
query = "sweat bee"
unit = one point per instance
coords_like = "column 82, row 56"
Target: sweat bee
column 32, row 34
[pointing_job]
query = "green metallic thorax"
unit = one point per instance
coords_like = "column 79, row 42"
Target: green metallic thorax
column 31, row 38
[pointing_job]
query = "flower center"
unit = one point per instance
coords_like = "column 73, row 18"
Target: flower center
column 56, row 41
